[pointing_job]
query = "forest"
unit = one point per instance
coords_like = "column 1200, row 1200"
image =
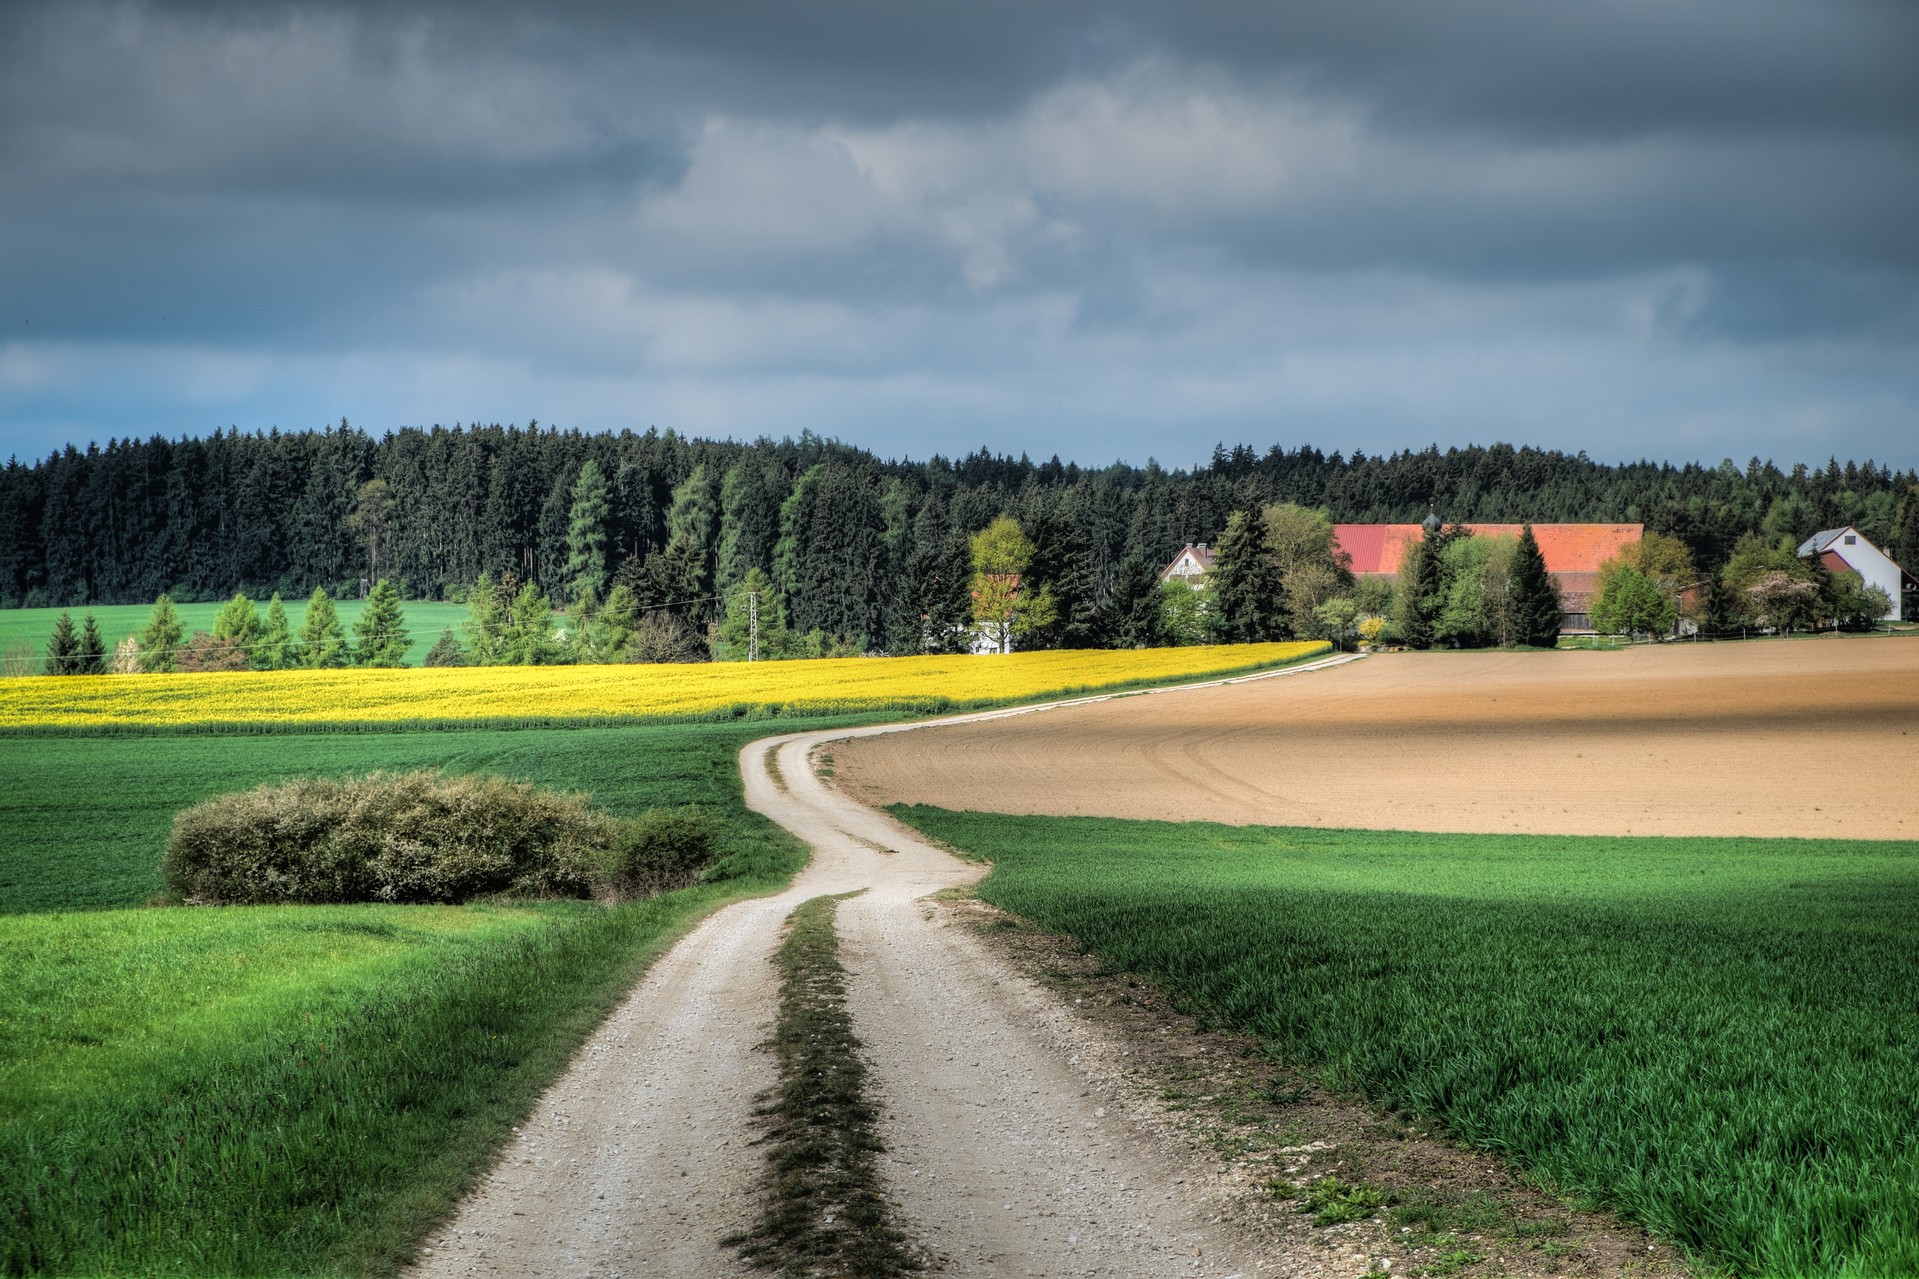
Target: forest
column 853, row 547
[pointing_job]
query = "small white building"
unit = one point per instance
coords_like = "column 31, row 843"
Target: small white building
column 1189, row 566
column 1847, row 547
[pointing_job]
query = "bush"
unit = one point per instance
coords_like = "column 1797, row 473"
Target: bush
column 401, row 837
column 663, row 849
column 423, row 837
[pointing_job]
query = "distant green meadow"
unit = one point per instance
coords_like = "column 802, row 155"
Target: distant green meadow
column 296, row 1090
column 33, row 626
column 1718, row 1038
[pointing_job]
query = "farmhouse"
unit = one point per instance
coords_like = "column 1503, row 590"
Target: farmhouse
column 1189, row 566
column 1843, row 548
column 1573, row 554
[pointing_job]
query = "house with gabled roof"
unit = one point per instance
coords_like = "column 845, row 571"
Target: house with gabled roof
column 1190, row 566
column 1848, row 548
column 1573, row 554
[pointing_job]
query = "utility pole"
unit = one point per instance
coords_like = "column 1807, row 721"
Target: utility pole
column 753, row 626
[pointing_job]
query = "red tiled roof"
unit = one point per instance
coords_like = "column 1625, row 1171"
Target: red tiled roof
column 1568, row 548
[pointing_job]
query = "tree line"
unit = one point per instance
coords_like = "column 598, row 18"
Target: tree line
column 852, row 552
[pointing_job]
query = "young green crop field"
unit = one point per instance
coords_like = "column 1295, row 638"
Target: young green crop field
column 296, row 1090
column 1716, row 1037
column 32, row 626
column 86, row 818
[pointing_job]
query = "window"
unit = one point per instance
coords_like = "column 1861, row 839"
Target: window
column 1851, row 540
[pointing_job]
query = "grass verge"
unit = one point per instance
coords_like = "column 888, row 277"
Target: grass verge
column 297, row 1090
column 825, row 1215
column 1712, row 1036
column 287, row 1090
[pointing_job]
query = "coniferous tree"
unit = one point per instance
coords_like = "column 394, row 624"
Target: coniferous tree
column 274, row 650
column 93, row 649
column 488, row 609
column 1248, row 587
column 613, row 625
column 529, row 634
column 1534, row 595
column 237, row 627
column 749, row 523
column 63, row 648
column 1137, row 619
column 446, row 650
column 576, row 638
column 691, row 520
column 160, row 637
column 380, row 632
column 586, row 532
column 322, row 640
column 754, row 596
column 1421, row 594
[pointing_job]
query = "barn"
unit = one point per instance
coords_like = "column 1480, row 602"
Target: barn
column 1843, row 548
column 1573, row 554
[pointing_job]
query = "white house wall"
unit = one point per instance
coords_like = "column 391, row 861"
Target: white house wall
column 1872, row 564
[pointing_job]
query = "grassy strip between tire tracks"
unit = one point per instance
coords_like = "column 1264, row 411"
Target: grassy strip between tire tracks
column 1715, row 1037
column 825, row 1216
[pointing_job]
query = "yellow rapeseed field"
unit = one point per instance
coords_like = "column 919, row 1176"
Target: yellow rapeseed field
column 559, row 693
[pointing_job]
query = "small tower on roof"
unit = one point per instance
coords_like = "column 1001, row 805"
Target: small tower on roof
column 1431, row 522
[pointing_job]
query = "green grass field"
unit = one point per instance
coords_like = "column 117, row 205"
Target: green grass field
column 295, row 1090
column 1717, row 1037
column 85, row 818
column 32, row 626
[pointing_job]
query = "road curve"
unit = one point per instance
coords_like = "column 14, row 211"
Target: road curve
column 1005, row 1156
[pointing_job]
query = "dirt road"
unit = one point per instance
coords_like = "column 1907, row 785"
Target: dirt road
column 1010, row 1149
column 1812, row 738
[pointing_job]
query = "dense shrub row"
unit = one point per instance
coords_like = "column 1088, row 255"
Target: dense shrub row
column 425, row 837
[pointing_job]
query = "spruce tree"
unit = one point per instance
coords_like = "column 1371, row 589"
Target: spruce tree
column 487, row 609
column 692, row 519
column 274, row 650
column 160, row 637
column 446, row 650
column 1534, row 595
column 381, row 629
column 1137, row 621
column 63, row 648
column 237, row 627
column 322, row 641
column 1249, row 590
column 93, row 649
column 1419, row 598
column 529, row 634
column 586, row 532
column 613, row 624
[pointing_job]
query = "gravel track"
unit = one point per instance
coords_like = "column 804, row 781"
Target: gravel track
column 1011, row 1151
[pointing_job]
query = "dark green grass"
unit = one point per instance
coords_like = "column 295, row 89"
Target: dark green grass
column 296, row 1090
column 824, row 1215
column 1717, row 1037
column 424, row 621
column 83, row 820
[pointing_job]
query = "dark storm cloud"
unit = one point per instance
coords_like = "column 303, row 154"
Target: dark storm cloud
column 1663, row 224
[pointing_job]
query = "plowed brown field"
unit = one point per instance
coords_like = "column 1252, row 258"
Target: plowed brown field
column 1809, row 737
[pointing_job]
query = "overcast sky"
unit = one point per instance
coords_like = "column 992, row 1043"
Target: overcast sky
column 1673, row 230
